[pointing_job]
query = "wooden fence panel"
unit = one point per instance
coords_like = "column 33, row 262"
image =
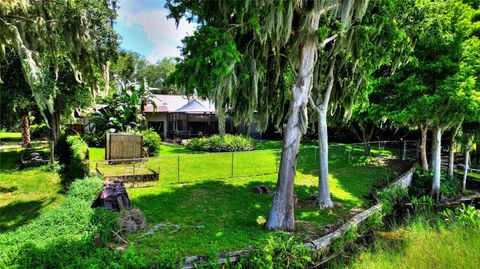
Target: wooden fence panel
column 123, row 146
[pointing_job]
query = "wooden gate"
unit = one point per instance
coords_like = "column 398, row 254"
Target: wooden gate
column 121, row 146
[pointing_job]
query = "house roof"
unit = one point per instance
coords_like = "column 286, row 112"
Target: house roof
column 179, row 104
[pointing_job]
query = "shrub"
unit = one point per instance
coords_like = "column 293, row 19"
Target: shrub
column 282, row 251
column 422, row 184
column 464, row 216
column 393, row 197
column 73, row 154
column 94, row 140
column 68, row 236
column 39, row 131
column 216, row 144
column 152, row 141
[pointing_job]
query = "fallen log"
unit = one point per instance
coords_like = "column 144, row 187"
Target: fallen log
column 325, row 241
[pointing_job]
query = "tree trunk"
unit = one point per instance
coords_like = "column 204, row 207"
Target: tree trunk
column 423, row 147
column 323, row 199
column 451, row 158
column 465, row 171
column 367, row 137
column 55, row 130
column 26, row 131
column 477, row 153
column 436, row 161
column 451, row 150
column 281, row 215
column 221, row 122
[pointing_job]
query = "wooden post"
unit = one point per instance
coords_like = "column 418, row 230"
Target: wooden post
column 404, row 155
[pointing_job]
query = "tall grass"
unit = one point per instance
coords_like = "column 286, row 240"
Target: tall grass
column 70, row 236
column 426, row 241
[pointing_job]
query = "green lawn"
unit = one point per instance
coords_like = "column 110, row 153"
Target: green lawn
column 419, row 245
column 10, row 137
column 229, row 210
column 24, row 194
column 224, row 206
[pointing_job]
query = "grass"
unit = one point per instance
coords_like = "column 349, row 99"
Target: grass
column 419, row 245
column 228, row 209
column 10, row 137
column 24, row 194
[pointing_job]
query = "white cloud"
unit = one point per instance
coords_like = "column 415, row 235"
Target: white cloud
column 160, row 30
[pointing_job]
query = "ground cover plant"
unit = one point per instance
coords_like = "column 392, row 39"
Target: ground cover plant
column 26, row 193
column 71, row 236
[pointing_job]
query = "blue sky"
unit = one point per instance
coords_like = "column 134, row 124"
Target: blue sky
column 145, row 29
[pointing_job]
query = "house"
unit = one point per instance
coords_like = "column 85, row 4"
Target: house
column 179, row 116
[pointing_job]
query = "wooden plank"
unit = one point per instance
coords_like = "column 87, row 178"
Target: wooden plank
column 124, row 146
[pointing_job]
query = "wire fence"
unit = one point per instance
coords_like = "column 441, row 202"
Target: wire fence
column 186, row 168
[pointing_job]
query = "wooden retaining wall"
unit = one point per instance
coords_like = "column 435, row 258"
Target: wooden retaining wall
column 317, row 245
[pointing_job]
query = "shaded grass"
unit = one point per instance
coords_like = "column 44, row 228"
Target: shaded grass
column 24, row 194
column 419, row 245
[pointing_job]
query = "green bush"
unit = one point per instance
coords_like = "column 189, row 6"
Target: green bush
column 392, row 197
column 73, row 235
column 73, row 156
column 216, row 144
column 466, row 216
column 450, row 187
column 94, row 140
column 282, row 251
column 39, row 131
column 152, row 141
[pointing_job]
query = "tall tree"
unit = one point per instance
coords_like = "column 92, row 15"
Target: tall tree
column 15, row 97
column 439, row 87
column 347, row 62
column 46, row 34
column 243, row 53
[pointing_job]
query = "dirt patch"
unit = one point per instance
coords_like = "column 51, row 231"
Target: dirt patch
column 397, row 165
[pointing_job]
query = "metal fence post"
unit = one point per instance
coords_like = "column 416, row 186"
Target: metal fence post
column 178, row 168
column 232, row 163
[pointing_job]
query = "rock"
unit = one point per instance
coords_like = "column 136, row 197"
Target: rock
column 261, row 189
column 132, row 221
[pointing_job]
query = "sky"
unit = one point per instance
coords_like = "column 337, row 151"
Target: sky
column 144, row 28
